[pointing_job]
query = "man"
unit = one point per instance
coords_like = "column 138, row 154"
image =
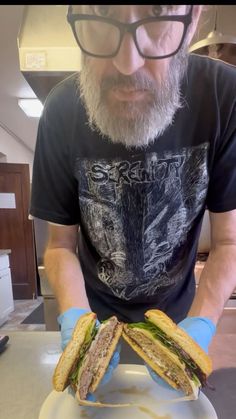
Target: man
column 131, row 151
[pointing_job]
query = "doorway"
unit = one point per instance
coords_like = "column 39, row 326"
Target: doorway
column 16, row 230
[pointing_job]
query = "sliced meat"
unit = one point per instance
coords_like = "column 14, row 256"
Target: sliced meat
column 159, row 357
column 96, row 356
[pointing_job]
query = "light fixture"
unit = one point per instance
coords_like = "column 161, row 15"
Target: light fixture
column 31, row 107
column 214, row 37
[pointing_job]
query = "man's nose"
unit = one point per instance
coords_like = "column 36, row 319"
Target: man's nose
column 128, row 60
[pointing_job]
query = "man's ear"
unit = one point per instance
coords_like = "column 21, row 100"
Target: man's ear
column 196, row 13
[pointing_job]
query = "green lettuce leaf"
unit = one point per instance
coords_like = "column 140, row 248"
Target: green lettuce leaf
column 157, row 333
column 89, row 337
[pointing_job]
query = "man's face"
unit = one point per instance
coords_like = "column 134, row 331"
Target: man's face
column 131, row 99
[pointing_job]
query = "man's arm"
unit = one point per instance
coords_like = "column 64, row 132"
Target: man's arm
column 218, row 278
column 63, row 268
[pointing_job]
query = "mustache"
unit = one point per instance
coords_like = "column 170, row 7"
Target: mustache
column 136, row 81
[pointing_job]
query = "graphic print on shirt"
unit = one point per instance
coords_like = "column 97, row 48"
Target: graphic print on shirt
column 138, row 213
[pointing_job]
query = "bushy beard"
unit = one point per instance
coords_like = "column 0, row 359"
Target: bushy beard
column 134, row 123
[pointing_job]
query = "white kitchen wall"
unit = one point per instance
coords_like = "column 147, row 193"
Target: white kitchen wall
column 226, row 18
column 14, row 151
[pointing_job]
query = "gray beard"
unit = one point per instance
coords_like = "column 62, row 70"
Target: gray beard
column 134, row 124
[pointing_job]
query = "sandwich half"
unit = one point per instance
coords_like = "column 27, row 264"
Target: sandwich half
column 169, row 351
column 85, row 359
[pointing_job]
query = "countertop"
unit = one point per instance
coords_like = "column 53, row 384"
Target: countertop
column 28, row 362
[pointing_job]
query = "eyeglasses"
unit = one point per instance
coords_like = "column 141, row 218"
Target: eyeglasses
column 154, row 37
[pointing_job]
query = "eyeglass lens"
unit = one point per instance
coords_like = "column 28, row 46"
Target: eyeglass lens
column 153, row 38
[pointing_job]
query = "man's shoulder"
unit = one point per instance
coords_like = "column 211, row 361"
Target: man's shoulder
column 210, row 67
column 211, row 79
column 64, row 94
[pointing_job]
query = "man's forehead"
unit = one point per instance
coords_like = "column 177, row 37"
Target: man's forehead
column 139, row 7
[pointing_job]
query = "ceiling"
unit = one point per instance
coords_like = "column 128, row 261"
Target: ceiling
column 12, row 83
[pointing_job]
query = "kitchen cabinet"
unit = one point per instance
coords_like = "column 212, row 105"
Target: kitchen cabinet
column 6, row 295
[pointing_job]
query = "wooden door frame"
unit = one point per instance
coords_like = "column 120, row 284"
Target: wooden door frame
column 23, row 170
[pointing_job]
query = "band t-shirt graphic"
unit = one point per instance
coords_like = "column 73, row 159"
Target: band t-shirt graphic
column 138, row 213
column 139, row 210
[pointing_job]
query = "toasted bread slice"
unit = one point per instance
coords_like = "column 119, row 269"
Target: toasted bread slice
column 190, row 346
column 162, row 361
column 71, row 353
column 98, row 357
column 103, row 364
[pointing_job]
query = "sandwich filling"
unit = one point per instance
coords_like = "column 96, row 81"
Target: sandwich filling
column 192, row 369
column 90, row 335
column 95, row 359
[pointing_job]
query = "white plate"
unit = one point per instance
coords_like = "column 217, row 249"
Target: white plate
column 129, row 384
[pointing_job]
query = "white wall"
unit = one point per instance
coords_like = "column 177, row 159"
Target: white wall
column 14, row 151
column 226, row 17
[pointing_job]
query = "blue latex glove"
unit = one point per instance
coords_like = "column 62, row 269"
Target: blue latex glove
column 201, row 329
column 158, row 379
column 67, row 322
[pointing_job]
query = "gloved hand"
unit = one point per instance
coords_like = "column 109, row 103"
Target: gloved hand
column 158, row 379
column 201, row 329
column 67, row 322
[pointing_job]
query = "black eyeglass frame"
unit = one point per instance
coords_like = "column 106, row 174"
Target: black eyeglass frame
column 131, row 28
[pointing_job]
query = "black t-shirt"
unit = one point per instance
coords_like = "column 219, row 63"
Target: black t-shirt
column 139, row 210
